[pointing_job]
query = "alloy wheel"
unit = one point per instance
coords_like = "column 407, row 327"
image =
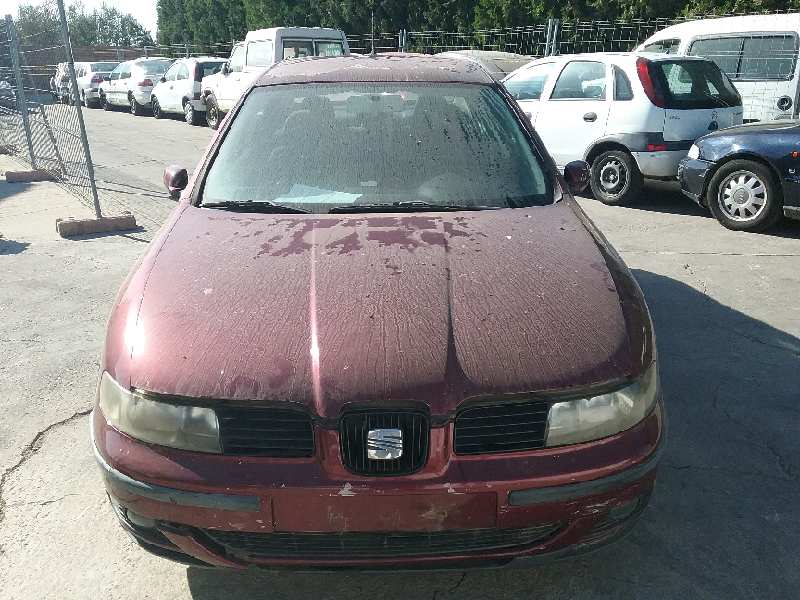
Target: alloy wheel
column 613, row 176
column 742, row 196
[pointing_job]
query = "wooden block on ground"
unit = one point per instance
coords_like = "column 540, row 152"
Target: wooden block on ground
column 76, row 227
column 28, row 176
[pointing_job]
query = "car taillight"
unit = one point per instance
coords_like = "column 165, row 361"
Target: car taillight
column 198, row 73
column 656, row 147
column 650, row 89
column 145, row 83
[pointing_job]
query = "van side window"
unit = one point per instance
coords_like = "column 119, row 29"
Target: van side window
column 622, row 85
column 529, row 83
column 725, row 51
column 663, row 46
column 768, row 57
column 581, row 80
column 259, row 54
column 237, row 59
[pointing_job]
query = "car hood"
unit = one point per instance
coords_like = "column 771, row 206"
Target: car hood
column 753, row 128
column 328, row 310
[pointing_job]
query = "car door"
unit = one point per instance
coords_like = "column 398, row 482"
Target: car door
column 113, row 82
column 165, row 90
column 120, row 91
column 575, row 112
column 230, row 86
column 527, row 85
column 183, row 87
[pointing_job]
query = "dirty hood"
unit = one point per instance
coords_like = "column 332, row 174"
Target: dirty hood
column 327, row 310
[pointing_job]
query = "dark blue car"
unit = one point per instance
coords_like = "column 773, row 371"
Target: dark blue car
column 747, row 176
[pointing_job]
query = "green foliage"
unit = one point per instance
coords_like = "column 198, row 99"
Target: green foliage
column 208, row 21
column 39, row 25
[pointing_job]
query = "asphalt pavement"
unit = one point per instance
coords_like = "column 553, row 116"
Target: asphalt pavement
column 723, row 522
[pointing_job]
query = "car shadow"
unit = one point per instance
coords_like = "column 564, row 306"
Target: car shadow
column 8, row 247
column 11, row 189
column 722, row 521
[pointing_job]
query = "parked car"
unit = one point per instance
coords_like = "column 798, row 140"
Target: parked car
column 758, row 53
column 261, row 49
column 131, row 83
column 59, row 83
column 632, row 116
column 89, row 76
column 498, row 64
column 178, row 91
column 8, row 96
column 406, row 345
column 747, row 176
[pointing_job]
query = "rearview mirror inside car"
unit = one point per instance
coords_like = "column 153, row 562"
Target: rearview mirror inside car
column 176, row 179
column 576, row 174
column 226, row 68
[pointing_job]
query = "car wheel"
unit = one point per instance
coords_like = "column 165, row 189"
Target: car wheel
column 190, row 114
column 212, row 113
column 104, row 102
column 615, row 178
column 744, row 196
column 136, row 108
column 156, row 109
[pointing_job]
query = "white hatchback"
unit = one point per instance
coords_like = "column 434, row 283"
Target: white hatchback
column 178, row 91
column 631, row 116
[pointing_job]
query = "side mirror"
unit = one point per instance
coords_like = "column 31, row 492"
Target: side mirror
column 163, row 80
column 176, row 179
column 576, row 174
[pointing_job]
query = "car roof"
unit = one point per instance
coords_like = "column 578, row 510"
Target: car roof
column 309, row 32
column 740, row 24
column 394, row 67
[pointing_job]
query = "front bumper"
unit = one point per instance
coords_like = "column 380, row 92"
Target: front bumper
column 659, row 165
column 289, row 514
column 693, row 176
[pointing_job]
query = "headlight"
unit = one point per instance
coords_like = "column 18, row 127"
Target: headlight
column 593, row 418
column 185, row 427
column 694, row 152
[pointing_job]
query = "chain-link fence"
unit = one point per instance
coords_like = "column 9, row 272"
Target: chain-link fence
column 37, row 70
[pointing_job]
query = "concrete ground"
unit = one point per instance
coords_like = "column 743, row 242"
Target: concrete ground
column 723, row 522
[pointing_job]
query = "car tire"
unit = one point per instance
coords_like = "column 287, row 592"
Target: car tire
column 744, row 196
column 136, row 109
column 190, row 115
column 105, row 103
column 615, row 178
column 213, row 115
column 157, row 114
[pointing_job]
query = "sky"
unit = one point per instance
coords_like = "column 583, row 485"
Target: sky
column 143, row 11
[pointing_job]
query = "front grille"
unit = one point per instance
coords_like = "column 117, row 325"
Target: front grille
column 259, row 431
column 353, row 430
column 356, row 545
column 501, row 428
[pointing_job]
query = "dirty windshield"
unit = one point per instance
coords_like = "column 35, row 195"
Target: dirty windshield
column 323, row 147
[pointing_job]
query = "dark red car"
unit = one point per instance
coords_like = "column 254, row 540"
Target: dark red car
column 378, row 331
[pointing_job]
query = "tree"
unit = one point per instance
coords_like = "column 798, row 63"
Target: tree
column 39, row 25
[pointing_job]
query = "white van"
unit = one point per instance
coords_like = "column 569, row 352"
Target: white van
column 260, row 50
column 757, row 52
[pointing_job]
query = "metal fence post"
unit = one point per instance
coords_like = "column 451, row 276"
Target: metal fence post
column 22, row 101
column 77, row 100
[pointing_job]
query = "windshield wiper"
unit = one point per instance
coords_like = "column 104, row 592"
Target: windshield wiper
column 408, row 206
column 251, row 206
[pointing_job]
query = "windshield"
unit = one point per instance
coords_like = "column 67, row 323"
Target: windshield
column 208, row 68
column 316, row 147
column 103, row 67
column 156, row 67
column 694, row 84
